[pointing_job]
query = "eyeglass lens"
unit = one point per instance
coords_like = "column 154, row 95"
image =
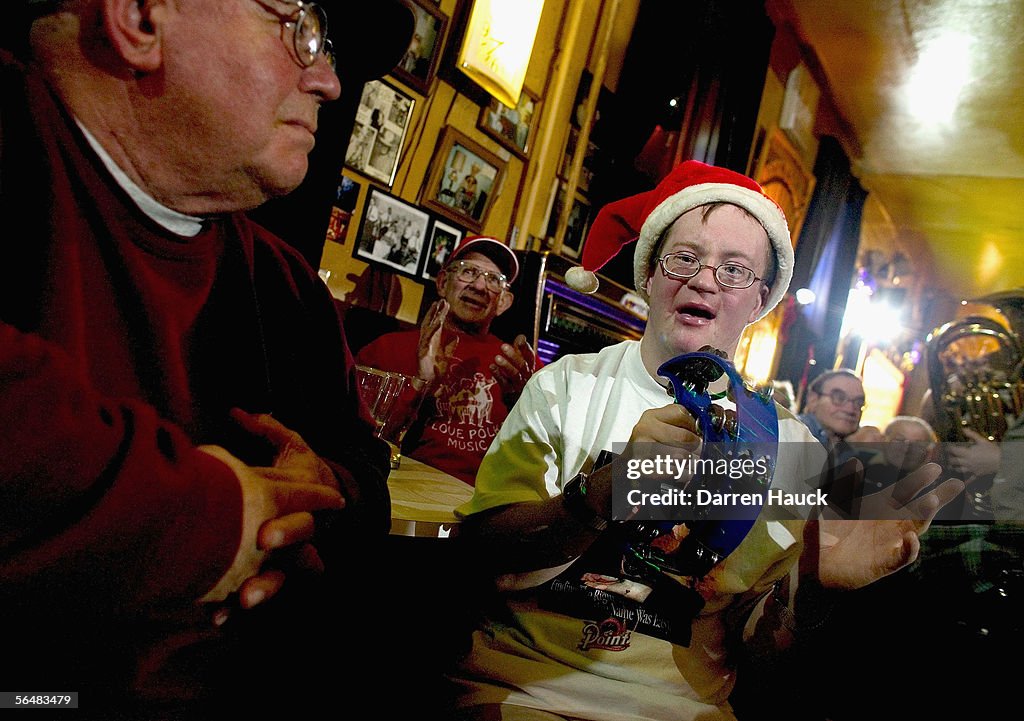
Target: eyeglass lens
column 311, row 35
column 469, row 273
column 730, row 275
column 841, row 399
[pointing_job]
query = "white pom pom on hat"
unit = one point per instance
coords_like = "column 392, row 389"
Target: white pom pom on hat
column 582, row 279
column 643, row 218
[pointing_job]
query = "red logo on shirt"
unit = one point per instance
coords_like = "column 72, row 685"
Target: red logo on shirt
column 610, row 635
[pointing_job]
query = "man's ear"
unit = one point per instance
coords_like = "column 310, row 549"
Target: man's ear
column 134, row 29
column 504, row 301
column 763, row 300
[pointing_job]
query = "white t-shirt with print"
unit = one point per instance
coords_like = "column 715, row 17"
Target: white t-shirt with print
column 604, row 668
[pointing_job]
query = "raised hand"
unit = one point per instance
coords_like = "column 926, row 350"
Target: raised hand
column 979, row 458
column 514, row 366
column 857, row 539
column 431, row 361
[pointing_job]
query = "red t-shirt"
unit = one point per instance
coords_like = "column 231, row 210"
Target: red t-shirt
column 458, row 423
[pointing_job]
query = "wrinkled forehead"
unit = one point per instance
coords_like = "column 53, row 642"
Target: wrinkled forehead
column 848, row 385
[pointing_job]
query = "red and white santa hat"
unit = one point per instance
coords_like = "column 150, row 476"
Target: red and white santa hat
column 645, row 217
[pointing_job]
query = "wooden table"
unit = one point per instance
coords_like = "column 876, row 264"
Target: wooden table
column 424, row 498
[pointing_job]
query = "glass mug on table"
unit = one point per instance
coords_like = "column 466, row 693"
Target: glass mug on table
column 393, row 400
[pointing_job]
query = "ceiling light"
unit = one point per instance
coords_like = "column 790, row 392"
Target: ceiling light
column 940, row 74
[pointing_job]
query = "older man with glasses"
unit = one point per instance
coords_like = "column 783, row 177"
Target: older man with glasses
column 473, row 377
column 832, row 412
column 177, row 388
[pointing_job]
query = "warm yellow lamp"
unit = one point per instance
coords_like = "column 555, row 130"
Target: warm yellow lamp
column 498, row 44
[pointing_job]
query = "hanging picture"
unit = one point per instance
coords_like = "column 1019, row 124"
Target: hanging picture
column 579, row 105
column 392, row 233
column 576, row 225
column 512, row 127
column 382, row 121
column 419, row 63
column 464, row 176
column 586, row 175
column 443, row 239
column 576, row 228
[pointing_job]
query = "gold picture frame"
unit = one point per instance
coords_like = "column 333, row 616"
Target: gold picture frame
column 463, row 179
column 513, row 128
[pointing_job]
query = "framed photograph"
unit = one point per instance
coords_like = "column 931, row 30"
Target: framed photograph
column 588, row 168
column 443, row 239
column 382, row 121
column 462, row 180
column 589, row 161
column 576, row 228
column 419, row 63
column 568, row 152
column 341, row 212
column 512, row 127
column 392, row 233
column 579, row 109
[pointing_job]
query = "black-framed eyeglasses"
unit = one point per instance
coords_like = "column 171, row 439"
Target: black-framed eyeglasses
column 468, row 273
column 684, row 265
column 840, row 399
column 309, row 32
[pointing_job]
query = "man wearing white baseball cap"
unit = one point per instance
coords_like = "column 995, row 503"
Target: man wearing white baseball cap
column 591, row 623
column 473, row 377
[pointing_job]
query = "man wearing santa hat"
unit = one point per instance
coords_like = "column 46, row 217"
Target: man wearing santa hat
column 584, row 630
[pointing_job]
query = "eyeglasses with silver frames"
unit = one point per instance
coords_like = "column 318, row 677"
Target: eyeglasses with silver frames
column 308, row 29
column 468, row 273
column 684, row 265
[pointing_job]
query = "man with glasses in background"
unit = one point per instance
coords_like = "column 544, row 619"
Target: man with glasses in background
column 472, row 376
column 832, row 412
column 177, row 391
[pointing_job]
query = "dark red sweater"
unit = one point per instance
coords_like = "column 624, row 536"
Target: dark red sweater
column 122, row 347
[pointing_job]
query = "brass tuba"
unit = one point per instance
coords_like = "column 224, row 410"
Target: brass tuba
column 975, row 368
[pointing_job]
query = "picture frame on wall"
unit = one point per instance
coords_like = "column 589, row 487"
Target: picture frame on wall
column 579, row 104
column 586, row 175
column 444, row 238
column 578, row 222
column 514, row 127
column 378, row 133
column 392, row 233
column 576, row 228
column 418, row 65
column 463, row 179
